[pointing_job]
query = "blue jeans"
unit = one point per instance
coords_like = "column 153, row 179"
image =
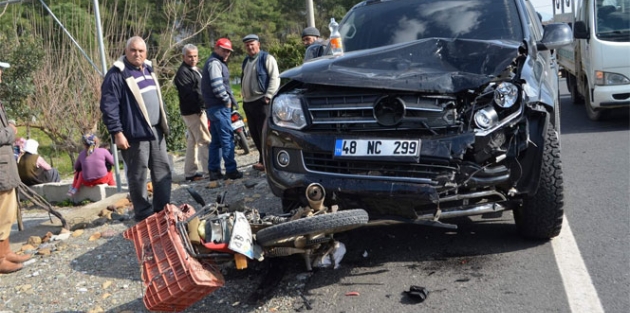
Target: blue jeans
column 222, row 144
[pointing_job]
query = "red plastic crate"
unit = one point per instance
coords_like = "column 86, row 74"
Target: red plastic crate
column 173, row 279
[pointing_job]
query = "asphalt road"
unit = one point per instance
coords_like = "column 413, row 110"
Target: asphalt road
column 485, row 266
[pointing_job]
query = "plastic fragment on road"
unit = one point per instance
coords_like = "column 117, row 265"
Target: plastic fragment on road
column 352, row 294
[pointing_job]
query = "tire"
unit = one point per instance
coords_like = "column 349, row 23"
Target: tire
column 541, row 215
column 576, row 98
column 325, row 223
column 242, row 141
column 592, row 114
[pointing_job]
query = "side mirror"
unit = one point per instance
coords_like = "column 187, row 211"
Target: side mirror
column 556, row 35
column 580, row 31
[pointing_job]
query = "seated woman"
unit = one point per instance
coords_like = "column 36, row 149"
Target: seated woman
column 33, row 169
column 92, row 166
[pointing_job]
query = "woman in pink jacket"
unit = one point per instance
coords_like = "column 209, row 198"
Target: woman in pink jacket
column 93, row 166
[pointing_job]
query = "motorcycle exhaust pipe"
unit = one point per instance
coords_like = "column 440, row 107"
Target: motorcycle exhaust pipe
column 315, row 194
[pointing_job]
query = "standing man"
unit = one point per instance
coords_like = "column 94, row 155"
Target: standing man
column 217, row 93
column 314, row 45
column 192, row 108
column 260, row 81
column 9, row 180
column 133, row 111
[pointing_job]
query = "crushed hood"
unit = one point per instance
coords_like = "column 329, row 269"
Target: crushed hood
column 430, row 65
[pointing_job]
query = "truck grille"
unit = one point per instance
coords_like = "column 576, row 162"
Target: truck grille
column 324, row 162
column 355, row 112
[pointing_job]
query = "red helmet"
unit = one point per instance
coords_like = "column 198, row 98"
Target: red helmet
column 224, row 43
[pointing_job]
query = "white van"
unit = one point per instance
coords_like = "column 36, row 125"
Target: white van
column 597, row 65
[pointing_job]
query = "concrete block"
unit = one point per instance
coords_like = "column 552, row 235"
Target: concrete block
column 57, row 192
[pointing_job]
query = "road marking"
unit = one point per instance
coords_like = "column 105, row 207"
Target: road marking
column 578, row 285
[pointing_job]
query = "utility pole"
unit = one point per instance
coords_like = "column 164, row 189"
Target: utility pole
column 310, row 14
column 99, row 36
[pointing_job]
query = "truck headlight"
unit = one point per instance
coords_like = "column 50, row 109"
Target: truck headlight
column 605, row 79
column 287, row 112
column 505, row 95
column 486, row 118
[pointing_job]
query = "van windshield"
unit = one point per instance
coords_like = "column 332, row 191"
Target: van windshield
column 613, row 20
column 376, row 25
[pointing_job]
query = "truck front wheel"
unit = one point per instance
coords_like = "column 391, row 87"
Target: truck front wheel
column 592, row 114
column 540, row 216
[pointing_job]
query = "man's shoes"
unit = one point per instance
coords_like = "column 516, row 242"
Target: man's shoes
column 195, row 177
column 233, row 175
column 215, row 176
column 259, row 167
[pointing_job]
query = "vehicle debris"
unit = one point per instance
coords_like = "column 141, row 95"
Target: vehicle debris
column 417, row 293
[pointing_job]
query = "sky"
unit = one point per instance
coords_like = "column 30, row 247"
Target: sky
column 544, row 7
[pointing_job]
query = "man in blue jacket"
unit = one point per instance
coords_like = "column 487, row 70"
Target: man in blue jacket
column 219, row 99
column 133, row 111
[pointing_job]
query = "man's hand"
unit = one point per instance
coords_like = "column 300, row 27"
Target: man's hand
column 121, row 141
column 267, row 100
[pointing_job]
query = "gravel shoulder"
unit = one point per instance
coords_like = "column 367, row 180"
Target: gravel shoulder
column 84, row 274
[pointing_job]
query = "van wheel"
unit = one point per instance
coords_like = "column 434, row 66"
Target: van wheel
column 576, row 98
column 592, row 114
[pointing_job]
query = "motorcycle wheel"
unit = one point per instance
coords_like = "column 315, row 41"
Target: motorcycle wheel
column 242, row 141
column 319, row 224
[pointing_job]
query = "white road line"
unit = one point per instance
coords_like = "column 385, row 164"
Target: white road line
column 577, row 282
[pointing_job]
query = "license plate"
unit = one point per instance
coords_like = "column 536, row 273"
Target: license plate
column 377, row 148
column 237, row 125
column 241, row 240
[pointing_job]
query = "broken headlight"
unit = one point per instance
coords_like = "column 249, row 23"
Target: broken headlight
column 287, row 111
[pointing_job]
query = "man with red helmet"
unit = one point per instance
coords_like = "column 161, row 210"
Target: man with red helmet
column 219, row 99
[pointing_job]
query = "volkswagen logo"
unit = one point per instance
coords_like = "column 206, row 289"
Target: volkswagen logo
column 389, row 111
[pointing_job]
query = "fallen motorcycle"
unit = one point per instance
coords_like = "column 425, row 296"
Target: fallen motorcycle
column 217, row 233
column 179, row 248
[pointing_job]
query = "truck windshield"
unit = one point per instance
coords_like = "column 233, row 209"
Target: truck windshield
column 613, row 20
column 375, row 25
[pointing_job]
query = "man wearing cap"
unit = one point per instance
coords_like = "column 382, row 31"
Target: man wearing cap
column 219, row 99
column 133, row 112
column 9, row 180
column 260, row 82
column 314, row 45
column 192, row 109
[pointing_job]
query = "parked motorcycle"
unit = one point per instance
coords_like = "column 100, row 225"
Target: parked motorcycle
column 240, row 132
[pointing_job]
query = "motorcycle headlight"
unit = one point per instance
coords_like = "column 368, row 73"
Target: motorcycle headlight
column 287, row 112
column 505, row 95
column 605, row 78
